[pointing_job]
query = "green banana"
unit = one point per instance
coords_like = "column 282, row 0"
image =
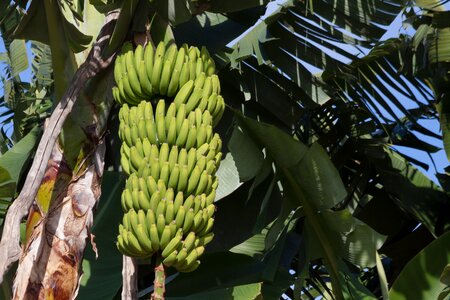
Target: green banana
column 165, row 173
column 206, row 239
column 182, row 254
column 180, row 116
column 172, row 132
column 200, row 80
column 188, row 242
column 160, row 224
column 144, row 241
column 174, row 175
column 189, row 202
column 194, row 99
column 184, row 93
column 173, row 84
column 173, row 157
column 155, row 200
column 193, row 53
column 189, row 267
column 192, row 69
column 132, row 74
column 155, row 76
column 201, row 135
column 183, row 178
column 182, row 135
column 154, row 237
column 182, row 157
column 165, row 237
column 148, row 59
column 199, row 66
column 143, row 201
column 170, row 214
column 184, row 74
column 192, row 137
column 178, row 201
column 170, row 113
column 118, row 68
column 171, row 259
column 166, row 75
column 124, row 162
column 210, row 67
column 164, row 153
column 172, row 246
column 188, row 220
column 179, row 218
column 147, row 89
column 161, row 210
column 138, row 55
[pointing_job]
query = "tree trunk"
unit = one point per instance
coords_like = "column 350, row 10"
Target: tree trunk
column 49, row 266
column 60, row 193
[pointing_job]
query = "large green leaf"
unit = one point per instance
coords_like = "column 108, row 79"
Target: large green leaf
column 420, row 278
column 12, row 165
column 160, row 30
column 320, row 178
column 311, row 181
column 279, row 145
column 102, row 276
column 19, row 58
column 42, row 64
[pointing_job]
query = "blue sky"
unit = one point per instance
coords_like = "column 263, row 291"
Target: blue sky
column 440, row 159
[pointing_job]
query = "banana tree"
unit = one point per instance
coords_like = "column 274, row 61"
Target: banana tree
column 71, row 184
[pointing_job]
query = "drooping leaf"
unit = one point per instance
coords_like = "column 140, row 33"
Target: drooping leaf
column 320, row 178
column 247, row 156
column 42, row 64
column 122, row 26
column 160, row 30
column 33, row 24
column 228, row 177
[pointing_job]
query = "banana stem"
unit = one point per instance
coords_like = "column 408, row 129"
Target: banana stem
column 159, row 283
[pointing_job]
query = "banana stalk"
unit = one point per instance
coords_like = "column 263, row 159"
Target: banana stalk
column 159, row 283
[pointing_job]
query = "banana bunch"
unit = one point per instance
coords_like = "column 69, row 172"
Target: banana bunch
column 143, row 73
column 169, row 152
